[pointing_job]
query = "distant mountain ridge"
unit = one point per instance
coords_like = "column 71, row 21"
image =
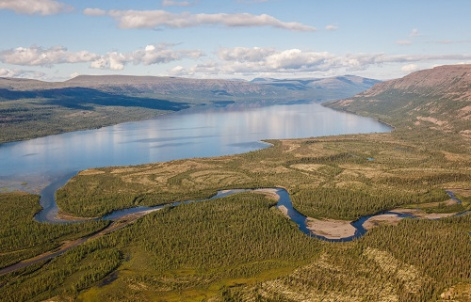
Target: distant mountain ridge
column 438, row 98
column 315, row 89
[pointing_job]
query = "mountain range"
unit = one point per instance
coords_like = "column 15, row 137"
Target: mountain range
column 196, row 90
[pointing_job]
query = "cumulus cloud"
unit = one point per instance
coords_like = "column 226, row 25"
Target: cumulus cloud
column 242, row 60
column 6, row 72
column 159, row 18
column 18, row 73
column 30, row 7
column 271, row 59
column 38, row 56
column 244, row 54
column 94, row 12
column 263, row 61
column 410, row 68
column 151, row 54
column 176, row 3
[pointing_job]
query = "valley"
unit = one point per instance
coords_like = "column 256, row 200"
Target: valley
column 241, row 248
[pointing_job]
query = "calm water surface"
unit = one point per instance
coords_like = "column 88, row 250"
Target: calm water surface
column 209, row 131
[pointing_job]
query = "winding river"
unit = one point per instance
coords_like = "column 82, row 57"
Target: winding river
column 121, row 218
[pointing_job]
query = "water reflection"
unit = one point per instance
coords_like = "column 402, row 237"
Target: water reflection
column 202, row 132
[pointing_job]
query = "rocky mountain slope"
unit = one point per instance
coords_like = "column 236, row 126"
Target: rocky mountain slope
column 438, row 99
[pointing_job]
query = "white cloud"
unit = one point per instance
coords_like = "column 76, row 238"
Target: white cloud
column 410, row 68
column 159, row 18
column 112, row 60
column 256, row 60
column 252, row 62
column 74, row 75
column 331, row 27
column 157, row 54
column 271, row 59
column 94, row 12
column 244, row 54
column 38, row 56
column 7, row 73
column 151, row 54
column 30, row 7
column 18, row 73
column 166, row 3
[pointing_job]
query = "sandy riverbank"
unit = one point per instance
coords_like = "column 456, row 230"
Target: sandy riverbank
column 389, row 219
column 330, row 228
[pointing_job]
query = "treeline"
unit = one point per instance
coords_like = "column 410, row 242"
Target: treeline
column 414, row 261
column 21, row 237
column 190, row 248
column 65, row 276
column 349, row 204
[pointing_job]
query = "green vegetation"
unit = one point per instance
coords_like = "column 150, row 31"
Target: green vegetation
column 192, row 250
column 414, row 261
column 330, row 202
column 329, row 177
column 21, row 237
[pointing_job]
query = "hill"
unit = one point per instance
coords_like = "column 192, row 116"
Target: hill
column 434, row 99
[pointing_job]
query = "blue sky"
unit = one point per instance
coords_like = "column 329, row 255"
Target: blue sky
column 55, row 40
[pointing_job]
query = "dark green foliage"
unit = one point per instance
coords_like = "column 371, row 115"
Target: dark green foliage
column 438, row 249
column 21, row 237
column 242, row 236
column 234, row 230
column 351, row 205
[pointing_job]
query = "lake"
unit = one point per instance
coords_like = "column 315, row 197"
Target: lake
column 202, row 132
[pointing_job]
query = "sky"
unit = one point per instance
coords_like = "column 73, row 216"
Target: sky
column 55, row 40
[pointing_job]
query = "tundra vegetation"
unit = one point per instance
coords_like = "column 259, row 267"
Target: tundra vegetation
column 241, row 248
